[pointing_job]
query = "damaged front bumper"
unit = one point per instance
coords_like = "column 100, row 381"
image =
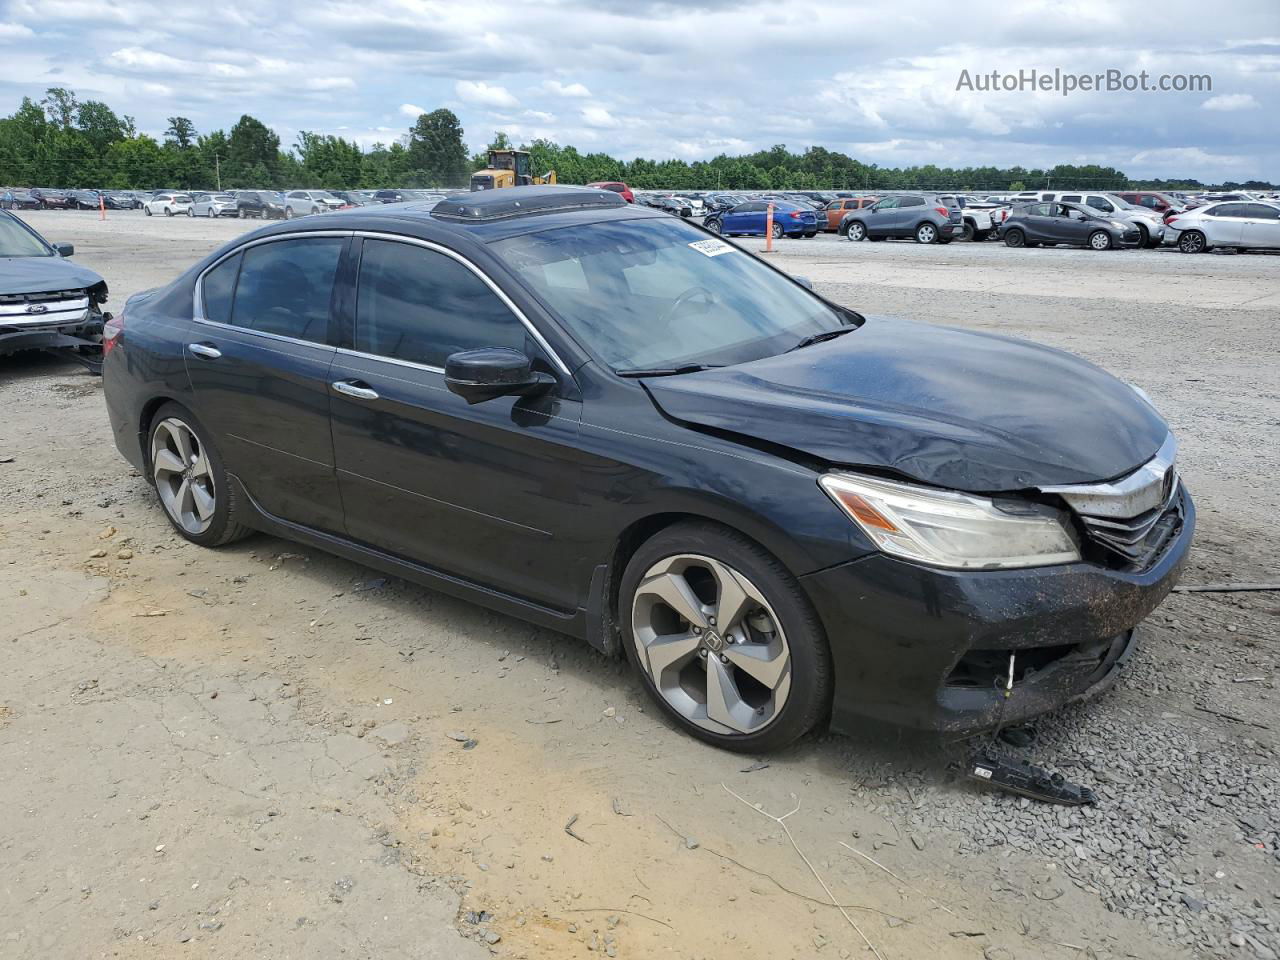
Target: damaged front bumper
column 963, row 651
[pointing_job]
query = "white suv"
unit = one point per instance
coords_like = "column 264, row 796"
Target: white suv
column 168, row 204
column 300, row 203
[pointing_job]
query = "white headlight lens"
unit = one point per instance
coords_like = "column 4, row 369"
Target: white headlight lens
column 948, row 529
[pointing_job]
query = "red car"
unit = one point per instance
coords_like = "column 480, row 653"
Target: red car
column 619, row 188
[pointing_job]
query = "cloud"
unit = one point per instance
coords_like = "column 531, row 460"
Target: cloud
column 411, row 110
column 14, row 31
column 479, row 92
column 1231, row 101
column 565, row 89
column 598, row 117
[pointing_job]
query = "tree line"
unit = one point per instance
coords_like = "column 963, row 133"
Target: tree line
column 61, row 141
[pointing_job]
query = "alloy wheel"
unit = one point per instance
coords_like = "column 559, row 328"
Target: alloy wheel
column 926, row 233
column 182, row 475
column 856, row 231
column 1191, row 242
column 711, row 644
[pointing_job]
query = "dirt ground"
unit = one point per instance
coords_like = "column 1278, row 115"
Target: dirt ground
column 264, row 751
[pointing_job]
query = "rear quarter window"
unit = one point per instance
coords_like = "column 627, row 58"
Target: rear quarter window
column 218, row 288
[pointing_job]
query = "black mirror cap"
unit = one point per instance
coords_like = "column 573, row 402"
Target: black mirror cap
column 490, row 372
column 64, row 249
column 803, row 281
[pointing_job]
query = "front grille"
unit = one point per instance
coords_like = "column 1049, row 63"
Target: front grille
column 1131, row 520
column 46, row 308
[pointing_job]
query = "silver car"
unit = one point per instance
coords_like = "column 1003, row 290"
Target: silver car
column 1241, row 225
column 212, row 205
column 301, row 203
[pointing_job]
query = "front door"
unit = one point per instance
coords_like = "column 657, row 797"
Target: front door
column 879, row 217
column 258, row 358
column 487, row 492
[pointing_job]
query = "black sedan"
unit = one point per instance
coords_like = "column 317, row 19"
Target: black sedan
column 1032, row 224
column 611, row 423
column 19, row 200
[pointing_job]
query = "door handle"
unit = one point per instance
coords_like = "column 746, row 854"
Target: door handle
column 353, row 389
column 204, row 350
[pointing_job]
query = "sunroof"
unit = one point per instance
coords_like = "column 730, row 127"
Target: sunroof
column 507, row 202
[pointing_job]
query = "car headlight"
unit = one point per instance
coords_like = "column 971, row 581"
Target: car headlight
column 1119, row 225
column 944, row 528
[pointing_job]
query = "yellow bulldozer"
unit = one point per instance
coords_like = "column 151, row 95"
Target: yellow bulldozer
column 508, row 168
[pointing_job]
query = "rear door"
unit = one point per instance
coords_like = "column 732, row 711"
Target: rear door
column 258, row 359
column 909, row 212
column 1035, row 223
column 1262, row 226
column 486, row 492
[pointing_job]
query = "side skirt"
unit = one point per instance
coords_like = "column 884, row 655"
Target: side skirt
column 574, row 624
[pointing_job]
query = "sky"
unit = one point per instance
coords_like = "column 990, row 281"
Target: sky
column 686, row 79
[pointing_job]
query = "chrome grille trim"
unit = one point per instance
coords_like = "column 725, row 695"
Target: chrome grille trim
column 1135, row 515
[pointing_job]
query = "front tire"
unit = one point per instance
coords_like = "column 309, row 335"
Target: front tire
column 147, row 211
column 856, row 231
column 1192, row 241
column 723, row 639
column 191, row 211
column 168, row 211
column 926, row 233
column 1100, row 240
column 194, row 488
column 715, row 227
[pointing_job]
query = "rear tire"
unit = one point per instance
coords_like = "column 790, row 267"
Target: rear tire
column 178, row 473
column 981, row 235
column 1192, row 241
column 288, row 213
column 777, row 231
column 147, row 211
column 926, row 233
column 168, row 211
column 968, row 233
column 783, row 632
column 1015, row 238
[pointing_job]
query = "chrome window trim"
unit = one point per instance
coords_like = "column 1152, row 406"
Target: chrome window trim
column 484, row 277
column 198, row 314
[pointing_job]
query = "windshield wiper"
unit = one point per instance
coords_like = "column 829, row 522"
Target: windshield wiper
column 822, row 337
column 669, row 371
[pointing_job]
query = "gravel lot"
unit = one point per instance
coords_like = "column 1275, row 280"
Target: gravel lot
column 251, row 752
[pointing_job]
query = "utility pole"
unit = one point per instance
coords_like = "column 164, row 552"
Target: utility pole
column 217, row 172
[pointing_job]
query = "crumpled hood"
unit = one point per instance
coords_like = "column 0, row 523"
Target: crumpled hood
column 43, row 274
column 955, row 408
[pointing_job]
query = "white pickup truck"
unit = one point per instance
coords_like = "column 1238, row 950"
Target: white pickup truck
column 980, row 216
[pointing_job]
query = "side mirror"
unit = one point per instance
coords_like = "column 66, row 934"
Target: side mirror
column 803, row 281
column 64, row 249
column 491, row 372
column 1078, row 215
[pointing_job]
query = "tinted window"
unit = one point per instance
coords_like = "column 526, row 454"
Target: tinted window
column 285, row 287
column 887, row 204
column 419, row 305
column 1101, row 203
column 1071, row 197
column 1039, row 209
column 911, row 202
column 219, row 285
column 1260, row 211
column 1231, row 210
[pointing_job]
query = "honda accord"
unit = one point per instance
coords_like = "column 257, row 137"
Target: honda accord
column 612, row 423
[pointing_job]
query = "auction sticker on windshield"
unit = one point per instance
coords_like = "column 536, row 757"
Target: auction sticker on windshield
column 712, row 248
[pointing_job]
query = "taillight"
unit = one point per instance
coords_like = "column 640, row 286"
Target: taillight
column 794, row 214
column 1170, row 221
column 112, row 333
column 942, row 210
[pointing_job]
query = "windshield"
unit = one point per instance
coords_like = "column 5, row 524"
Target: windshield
column 17, row 241
column 659, row 293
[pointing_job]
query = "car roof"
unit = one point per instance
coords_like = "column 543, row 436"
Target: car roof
column 481, row 217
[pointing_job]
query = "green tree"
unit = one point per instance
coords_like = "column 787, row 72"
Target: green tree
column 437, row 155
column 61, row 105
column 253, row 153
column 99, row 124
column 181, row 132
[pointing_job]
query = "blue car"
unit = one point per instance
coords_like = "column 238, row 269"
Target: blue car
column 750, row 218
